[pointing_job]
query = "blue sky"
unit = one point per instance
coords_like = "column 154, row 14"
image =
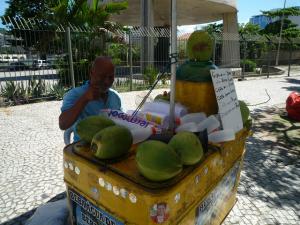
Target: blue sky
column 3, row 6
column 246, row 8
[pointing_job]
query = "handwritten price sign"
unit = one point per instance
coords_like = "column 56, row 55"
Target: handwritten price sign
column 228, row 103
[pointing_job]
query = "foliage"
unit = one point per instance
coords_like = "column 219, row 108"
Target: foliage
column 48, row 15
column 214, row 28
column 249, row 29
column 249, row 65
column 19, row 92
column 14, row 91
column 165, row 78
column 54, row 12
column 81, row 73
column 150, row 74
column 289, row 29
column 252, row 44
column 117, row 51
column 291, row 11
column 182, row 50
column 58, row 91
column 36, row 87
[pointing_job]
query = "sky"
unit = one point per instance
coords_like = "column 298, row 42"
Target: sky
column 246, row 9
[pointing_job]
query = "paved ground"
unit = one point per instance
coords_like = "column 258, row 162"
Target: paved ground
column 269, row 190
column 31, row 158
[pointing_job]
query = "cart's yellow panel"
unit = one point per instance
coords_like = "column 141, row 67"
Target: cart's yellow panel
column 116, row 193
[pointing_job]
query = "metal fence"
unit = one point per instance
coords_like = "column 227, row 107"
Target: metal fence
column 36, row 62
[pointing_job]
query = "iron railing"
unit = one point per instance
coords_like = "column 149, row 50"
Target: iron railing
column 35, row 62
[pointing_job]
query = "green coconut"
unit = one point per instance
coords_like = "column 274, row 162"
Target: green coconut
column 165, row 96
column 111, row 142
column 199, row 46
column 157, row 161
column 244, row 111
column 89, row 126
column 188, row 147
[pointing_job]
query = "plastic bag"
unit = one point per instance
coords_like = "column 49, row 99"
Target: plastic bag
column 293, row 106
column 51, row 213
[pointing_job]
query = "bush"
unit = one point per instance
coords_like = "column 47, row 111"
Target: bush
column 81, row 72
column 18, row 93
column 15, row 92
column 250, row 65
column 150, row 74
column 58, row 91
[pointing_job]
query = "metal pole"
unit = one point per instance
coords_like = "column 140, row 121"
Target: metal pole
column 244, row 59
column 268, row 75
column 70, row 56
column 130, row 60
column 290, row 58
column 214, row 52
column 280, row 34
column 173, row 61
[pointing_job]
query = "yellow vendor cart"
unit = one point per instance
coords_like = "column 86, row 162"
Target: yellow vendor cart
column 114, row 193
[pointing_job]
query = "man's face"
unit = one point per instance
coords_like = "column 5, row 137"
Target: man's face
column 102, row 77
column 161, row 210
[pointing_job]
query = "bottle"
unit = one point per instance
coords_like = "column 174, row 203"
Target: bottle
column 142, row 134
column 189, row 126
column 211, row 123
column 191, row 117
column 159, row 119
column 139, row 128
column 121, row 118
column 221, row 136
column 164, row 108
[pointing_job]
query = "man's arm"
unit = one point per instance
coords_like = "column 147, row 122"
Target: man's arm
column 68, row 117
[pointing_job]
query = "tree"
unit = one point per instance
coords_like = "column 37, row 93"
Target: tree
column 77, row 12
column 214, row 28
column 291, row 11
column 249, row 29
column 289, row 29
column 49, row 14
column 251, row 44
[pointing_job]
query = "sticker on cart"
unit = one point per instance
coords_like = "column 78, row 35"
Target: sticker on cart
column 211, row 207
column 159, row 212
column 86, row 213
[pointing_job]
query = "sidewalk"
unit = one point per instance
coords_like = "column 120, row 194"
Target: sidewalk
column 268, row 193
column 269, row 190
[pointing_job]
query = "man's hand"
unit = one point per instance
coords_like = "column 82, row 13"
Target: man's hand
column 93, row 93
column 68, row 117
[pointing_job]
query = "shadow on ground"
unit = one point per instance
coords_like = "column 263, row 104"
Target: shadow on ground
column 295, row 84
column 271, row 166
column 21, row 220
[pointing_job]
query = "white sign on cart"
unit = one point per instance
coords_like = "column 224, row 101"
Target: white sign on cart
column 229, row 108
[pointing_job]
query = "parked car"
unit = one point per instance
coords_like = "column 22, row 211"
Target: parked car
column 17, row 66
column 41, row 64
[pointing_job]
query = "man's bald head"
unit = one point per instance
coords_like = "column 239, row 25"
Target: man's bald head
column 102, row 61
column 102, row 73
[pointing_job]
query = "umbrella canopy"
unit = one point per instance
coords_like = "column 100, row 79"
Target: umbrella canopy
column 188, row 12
